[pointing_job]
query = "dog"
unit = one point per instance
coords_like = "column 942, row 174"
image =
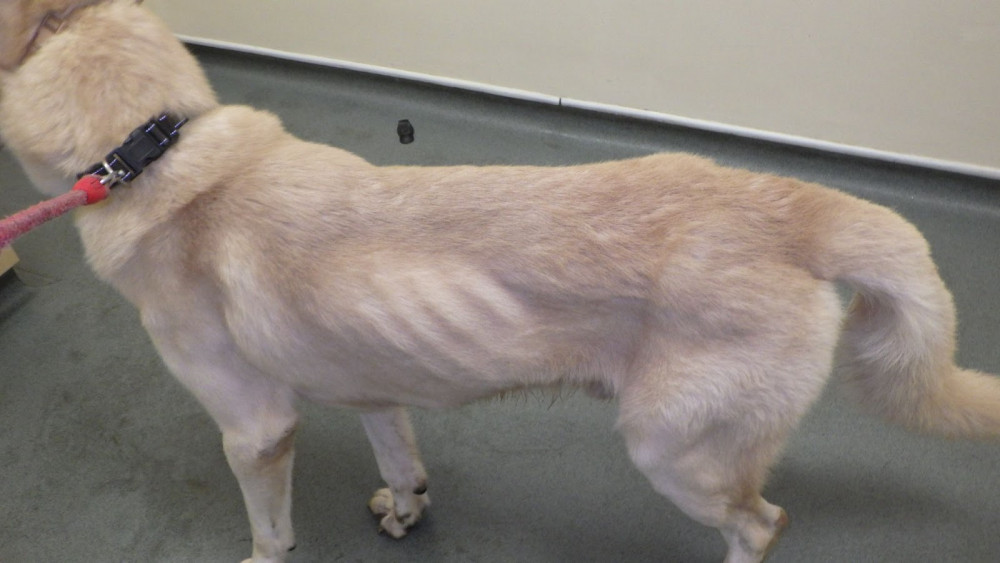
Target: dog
column 267, row 270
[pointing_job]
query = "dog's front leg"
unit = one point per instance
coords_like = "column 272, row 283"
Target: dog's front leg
column 401, row 504
column 262, row 462
column 257, row 417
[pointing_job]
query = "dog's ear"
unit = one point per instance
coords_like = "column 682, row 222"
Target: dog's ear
column 15, row 31
column 19, row 21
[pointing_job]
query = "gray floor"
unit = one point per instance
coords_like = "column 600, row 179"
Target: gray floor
column 104, row 458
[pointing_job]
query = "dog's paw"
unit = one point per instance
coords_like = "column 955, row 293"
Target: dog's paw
column 393, row 527
column 381, row 502
column 397, row 517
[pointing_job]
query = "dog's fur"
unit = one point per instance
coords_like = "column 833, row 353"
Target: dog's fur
column 266, row 269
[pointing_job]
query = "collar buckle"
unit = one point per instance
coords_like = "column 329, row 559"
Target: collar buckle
column 143, row 145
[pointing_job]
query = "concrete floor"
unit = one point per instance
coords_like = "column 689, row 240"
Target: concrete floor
column 104, row 458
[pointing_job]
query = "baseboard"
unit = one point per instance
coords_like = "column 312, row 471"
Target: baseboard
column 651, row 116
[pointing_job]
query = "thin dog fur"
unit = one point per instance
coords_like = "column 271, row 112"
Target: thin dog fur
column 268, row 269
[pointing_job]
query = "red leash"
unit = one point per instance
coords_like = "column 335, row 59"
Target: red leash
column 87, row 190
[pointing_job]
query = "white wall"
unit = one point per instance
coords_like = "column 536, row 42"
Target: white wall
column 915, row 77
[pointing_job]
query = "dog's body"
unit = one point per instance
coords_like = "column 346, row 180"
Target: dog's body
column 267, row 269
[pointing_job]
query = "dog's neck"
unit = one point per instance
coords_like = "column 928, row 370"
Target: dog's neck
column 52, row 23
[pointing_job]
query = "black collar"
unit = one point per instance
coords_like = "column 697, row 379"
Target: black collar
column 143, row 145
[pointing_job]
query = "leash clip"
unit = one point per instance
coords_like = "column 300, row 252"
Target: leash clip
column 108, row 175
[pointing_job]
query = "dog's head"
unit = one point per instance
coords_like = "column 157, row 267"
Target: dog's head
column 73, row 92
column 20, row 23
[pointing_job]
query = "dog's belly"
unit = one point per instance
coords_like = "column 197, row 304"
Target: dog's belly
column 432, row 338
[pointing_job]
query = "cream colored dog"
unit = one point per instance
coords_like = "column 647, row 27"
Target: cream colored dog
column 267, row 269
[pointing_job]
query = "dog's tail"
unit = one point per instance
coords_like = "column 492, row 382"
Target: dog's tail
column 897, row 348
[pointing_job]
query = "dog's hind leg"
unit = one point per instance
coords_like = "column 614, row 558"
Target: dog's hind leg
column 712, row 395
column 706, row 430
column 713, row 482
column 402, row 503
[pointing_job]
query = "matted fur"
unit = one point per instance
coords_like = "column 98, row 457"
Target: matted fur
column 267, row 269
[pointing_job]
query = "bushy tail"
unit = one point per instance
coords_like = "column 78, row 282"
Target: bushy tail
column 897, row 349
